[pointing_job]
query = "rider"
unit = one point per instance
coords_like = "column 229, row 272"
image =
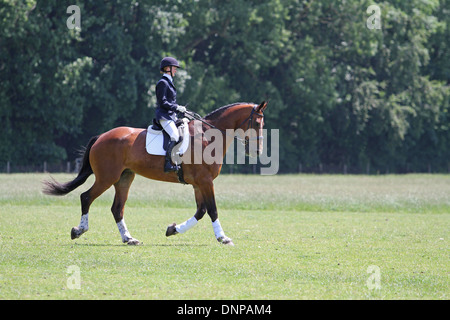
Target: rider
column 166, row 98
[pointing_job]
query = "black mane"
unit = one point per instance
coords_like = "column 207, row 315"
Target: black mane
column 216, row 113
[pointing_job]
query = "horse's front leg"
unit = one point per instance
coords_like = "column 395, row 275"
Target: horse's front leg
column 205, row 203
column 174, row 228
column 210, row 202
column 218, row 231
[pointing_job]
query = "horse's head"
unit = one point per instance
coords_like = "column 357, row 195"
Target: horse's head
column 253, row 130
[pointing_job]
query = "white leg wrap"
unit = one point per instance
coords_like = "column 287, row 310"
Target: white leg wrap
column 84, row 223
column 124, row 233
column 185, row 226
column 218, row 231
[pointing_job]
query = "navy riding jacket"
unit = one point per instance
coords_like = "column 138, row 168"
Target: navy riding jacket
column 166, row 100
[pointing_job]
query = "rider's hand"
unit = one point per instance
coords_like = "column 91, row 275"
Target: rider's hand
column 181, row 109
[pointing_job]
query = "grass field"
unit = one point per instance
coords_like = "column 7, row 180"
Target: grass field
column 296, row 236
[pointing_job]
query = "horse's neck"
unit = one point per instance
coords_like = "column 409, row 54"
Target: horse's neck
column 228, row 122
column 231, row 119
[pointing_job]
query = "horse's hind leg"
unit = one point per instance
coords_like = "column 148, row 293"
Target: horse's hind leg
column 86, row 200
column 122, row 187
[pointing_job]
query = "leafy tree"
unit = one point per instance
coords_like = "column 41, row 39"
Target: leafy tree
column 340, row 93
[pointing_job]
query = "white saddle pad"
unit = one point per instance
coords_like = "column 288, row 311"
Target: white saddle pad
column 155, row 140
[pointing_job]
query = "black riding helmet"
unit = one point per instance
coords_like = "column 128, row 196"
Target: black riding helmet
column 169, row 62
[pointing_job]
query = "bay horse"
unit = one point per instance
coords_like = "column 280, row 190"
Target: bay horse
column 116, row 156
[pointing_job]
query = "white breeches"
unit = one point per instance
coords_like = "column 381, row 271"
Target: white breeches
column 171, row 129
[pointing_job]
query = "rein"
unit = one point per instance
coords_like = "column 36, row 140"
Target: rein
column 249, row 119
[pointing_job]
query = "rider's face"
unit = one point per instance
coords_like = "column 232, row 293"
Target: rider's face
column 174, row 70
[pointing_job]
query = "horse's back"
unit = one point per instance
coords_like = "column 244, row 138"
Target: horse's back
column 114, row 145
column 119, row 134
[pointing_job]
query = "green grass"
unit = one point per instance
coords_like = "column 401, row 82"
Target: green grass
column 296, row 236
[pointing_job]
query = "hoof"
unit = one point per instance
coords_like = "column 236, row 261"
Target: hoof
column 225, row 241
column 133, row 242
column 76, row 233
column 171, row 230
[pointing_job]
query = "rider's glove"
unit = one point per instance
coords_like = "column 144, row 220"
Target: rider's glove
column 181, row 109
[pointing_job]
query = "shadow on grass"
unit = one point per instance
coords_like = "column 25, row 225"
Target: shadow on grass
column 128, row 246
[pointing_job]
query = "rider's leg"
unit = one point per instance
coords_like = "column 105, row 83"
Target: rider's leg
column 170, row 127
column 172, row 130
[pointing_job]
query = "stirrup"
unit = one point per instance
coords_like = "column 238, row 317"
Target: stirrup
column 169, row 167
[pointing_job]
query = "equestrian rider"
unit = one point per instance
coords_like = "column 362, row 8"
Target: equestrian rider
column 166, row 99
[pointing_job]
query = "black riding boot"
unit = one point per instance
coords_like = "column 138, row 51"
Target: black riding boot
column 169, row 166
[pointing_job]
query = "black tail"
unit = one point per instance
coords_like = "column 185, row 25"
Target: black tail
column 59, row 189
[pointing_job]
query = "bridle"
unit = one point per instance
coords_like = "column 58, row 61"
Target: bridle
column 249, row 120
column 246, row 140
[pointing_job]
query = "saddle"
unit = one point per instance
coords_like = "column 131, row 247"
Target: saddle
column 158, row 140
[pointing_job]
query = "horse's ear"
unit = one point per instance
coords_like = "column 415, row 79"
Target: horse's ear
column 262, row 106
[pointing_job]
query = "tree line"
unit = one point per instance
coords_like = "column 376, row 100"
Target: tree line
column 348, row 87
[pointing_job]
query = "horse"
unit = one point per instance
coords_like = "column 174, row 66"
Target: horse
column 116, row 156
